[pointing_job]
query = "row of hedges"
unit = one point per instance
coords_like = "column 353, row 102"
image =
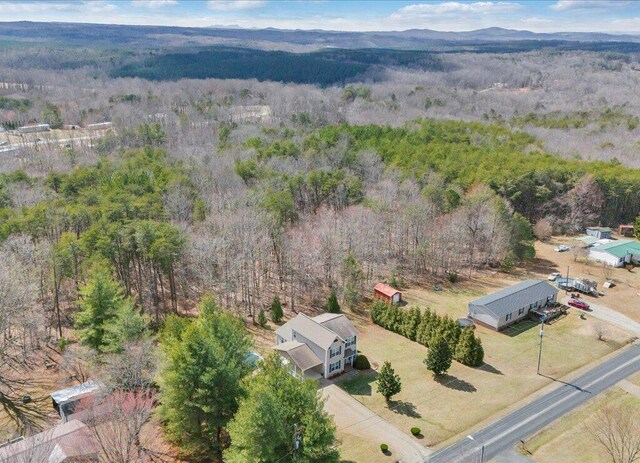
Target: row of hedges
column 425, row 326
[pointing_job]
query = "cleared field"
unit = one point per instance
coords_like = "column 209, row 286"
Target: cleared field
column 465, row 397
column 568, row 438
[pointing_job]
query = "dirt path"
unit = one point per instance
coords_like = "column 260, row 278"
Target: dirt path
column 611, row 316
column 352, row 417
column 630, row 387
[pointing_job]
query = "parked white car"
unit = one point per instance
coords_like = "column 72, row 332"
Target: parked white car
column 561, row 248
column 553, row 276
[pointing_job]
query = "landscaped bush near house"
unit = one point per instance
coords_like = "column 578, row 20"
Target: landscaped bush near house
column 415, row 431
column 361, row 363
column 424, row 327
column 384, row 448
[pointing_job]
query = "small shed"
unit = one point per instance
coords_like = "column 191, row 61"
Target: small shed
column 625, row 230
column 599, row 232
column 66, row 400
column 387, row 293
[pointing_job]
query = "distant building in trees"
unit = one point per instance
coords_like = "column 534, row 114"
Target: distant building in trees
column 34, row 128
column 625, row 230
column 617, row 253
column 599, row 232
column 387, row 293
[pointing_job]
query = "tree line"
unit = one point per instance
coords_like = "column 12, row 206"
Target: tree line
column 429, row 329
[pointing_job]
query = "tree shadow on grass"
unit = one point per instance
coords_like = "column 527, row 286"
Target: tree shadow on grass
column 455, row 383
column 490, row 369
column 404, row 408
column 360, row 384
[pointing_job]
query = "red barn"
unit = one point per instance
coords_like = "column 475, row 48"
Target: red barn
column 387, row 293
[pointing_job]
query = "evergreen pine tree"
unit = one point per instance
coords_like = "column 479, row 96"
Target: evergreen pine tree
column 100, row 299
column 439, row 357
column 332, row 305
column 276, row 310
column 262, row 319
column 389, row 383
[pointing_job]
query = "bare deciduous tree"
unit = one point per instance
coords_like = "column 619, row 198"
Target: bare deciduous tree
column 617, row 429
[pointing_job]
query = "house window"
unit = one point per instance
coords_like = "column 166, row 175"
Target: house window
column 508, row 317
column 335, row 366
column 521, row 311
column 335, row 351
column 350, row 342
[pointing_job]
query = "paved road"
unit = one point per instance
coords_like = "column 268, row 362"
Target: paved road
column 610, row 316
column 508, row 431
column 352, row 417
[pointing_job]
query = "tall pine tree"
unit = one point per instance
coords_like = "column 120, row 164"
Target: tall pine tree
column 439, row 357
column 100, row 299
column 279, row 410
column 201, row 379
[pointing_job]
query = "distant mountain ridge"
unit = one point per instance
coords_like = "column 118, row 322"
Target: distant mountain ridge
column 157, row 36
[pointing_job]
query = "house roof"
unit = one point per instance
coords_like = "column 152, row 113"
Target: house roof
column 300, row 354
column 310, row 329
column 76, row 392
column 67, row 440
column 338, row 323
column 520, row 295
column 621, row 248
column 386, row 289
column 602, row 229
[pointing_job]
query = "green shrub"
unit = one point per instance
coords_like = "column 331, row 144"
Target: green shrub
column 384, row 448
column 63, row 343
column 361, row 363
column 452, row 276
column 262, row 319
column 415, row 431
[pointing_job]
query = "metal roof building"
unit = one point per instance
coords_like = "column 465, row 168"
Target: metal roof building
column 617, row 253
column 505, row 307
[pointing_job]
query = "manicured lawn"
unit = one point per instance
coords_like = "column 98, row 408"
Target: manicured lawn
column 568, row 438
column 466, row 396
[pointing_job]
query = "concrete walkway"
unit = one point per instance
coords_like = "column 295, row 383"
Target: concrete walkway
column 610, row 316
column 352, row 417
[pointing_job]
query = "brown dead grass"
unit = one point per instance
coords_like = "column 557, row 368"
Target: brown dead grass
column 567, row 439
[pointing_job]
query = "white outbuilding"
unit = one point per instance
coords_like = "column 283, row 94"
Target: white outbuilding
column 617, row 253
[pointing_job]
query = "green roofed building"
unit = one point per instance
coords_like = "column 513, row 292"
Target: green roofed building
column 617, row 253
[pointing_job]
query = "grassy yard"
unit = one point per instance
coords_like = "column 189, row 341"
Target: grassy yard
column 466, row 396
column 568, row 439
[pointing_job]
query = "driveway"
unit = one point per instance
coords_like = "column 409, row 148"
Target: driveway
column 610, row 316
column 351, row 417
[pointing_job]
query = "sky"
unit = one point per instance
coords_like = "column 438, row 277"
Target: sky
column 615, row 16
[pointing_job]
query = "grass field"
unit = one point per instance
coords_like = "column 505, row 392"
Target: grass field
column 568, row 439
column 466, row 396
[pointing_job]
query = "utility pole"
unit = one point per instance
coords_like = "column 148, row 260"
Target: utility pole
column 540, row 345
column 566, row 286
column 481, row 449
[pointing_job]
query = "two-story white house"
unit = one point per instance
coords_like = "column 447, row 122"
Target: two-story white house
column 317, row 347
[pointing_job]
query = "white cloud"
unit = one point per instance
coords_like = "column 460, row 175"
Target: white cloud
column 452, row 8
column 153, row 3
column 97, row 6
column 563, row 5
column 234, row 5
